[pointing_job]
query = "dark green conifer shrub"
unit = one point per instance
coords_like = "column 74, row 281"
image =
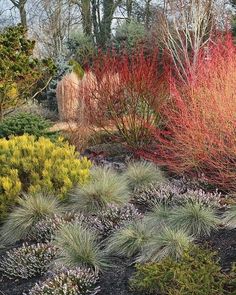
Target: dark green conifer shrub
column 197, row 272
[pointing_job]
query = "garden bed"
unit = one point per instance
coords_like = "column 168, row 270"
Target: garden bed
column 116, row 279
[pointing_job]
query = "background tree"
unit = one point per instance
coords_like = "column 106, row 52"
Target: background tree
column 186, row 27
column 19, row 71
column 21, row 6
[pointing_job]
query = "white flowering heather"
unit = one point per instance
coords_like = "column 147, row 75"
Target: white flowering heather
column 172, row 194
column 212, row 199
column 114, row 217
column 27, row 261
column 46, row 229
column 154, row 193
column 78, row 281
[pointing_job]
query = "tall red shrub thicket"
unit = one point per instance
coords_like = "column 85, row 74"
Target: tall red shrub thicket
column 125, row 93
column 200, row 135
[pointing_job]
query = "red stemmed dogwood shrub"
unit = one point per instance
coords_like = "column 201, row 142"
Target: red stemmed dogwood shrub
column 200, row 134
column 125, row 93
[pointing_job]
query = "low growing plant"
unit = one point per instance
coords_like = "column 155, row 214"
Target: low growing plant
column 166, row 242
column 79, row 247
column 174, row 193
column 26, row 123
column 27, row 261
column 195, row 218
column 142, row 174
column 230, row 217
column 114, row 217
column 159, row 215
column 129, row 240
column 77, row 281
column 197, row 272
column 45, row 229
column 156, row 193
column 105, row 187
column 32, row 165
column 31, row 209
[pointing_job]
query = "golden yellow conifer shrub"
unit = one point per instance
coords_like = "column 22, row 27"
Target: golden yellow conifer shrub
column 31, row 165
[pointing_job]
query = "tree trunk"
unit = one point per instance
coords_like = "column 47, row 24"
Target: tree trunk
column 20, row 5
column 129, row 7
column 109, row 7
column 147, row 13
column 95, row 21
column 23, row 17
column 86, row 17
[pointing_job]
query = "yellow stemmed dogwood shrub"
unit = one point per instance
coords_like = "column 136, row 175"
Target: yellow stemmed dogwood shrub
column 31, row 165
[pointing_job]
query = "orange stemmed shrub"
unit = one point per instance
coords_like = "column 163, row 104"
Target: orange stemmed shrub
column 125, row 95
column 200, row 134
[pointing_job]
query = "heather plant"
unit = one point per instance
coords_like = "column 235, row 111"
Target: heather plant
column 38, row 165
column 173, row 193
column 31, row 209
column 45, row 230
column 195, row 218
column 130, row 239
column 142, row 174
column 208, row 199
column 156, row 193
column 114, row 217
column 197, row 272
column 27, row 261
column 77, row 281
column 105, row 187
column 22, row 123
column 167, row 242
column 79, row 247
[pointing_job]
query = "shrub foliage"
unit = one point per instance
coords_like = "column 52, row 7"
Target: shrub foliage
column 196, row 273
column 26, row 123
column 32, row 165
column 123, row 92
column 199, row 137
column 19, row 70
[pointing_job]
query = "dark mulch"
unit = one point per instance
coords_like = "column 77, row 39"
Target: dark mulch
column 224, row 242
column 17, row 287
column 116, row 281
